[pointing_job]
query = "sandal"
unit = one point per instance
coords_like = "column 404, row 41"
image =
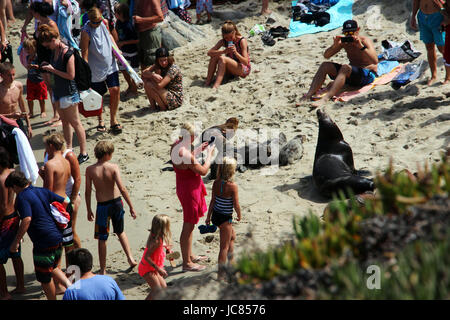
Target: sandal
column 194, row 268
column 267, row 38
column 200, row 259
column 116, row 129
column 101, row 128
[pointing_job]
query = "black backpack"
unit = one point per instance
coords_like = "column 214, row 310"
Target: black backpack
column 82, row 70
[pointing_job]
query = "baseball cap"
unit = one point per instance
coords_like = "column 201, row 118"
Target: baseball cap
column 349, row 25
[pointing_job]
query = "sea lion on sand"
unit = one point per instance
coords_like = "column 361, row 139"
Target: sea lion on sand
column 333, row 168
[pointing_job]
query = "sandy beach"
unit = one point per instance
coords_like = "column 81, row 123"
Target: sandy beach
column 410, row 125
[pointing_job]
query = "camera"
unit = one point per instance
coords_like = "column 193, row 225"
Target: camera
column 347, row 39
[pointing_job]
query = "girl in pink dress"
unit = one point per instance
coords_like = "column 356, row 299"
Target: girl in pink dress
column 151, row 267
column 190, row 190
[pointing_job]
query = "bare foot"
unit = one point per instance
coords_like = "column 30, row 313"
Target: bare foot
column 266, row 12
column 318, row 103
column 43, row 115
column 54, row 119
column 432, row 81
column 56, row 124
column 446, row 81
column 11, row 22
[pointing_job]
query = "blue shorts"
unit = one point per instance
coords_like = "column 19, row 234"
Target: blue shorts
column 359, row 76
column 111, row 210
column 67, row 101
column 430, row 28
column 112, row 80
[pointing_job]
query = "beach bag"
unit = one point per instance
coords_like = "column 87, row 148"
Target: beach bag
column 91, row 104
column 398, row 51
column 60, row 215
column 83, row 74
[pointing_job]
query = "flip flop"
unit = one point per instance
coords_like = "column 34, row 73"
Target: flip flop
column 116, row 129
column 195, row 268
column 200, row 259
column 101, row 128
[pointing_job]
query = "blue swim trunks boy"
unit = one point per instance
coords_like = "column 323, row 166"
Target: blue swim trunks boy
column 430, row 28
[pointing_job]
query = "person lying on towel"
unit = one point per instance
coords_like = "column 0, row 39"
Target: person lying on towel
column 361, row 70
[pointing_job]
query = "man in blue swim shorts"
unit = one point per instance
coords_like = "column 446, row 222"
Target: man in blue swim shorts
column 430, row 19
column 361, row 70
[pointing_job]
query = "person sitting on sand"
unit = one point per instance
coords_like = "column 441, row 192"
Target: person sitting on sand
column 108, row 187
column 11, row 97
column 90, row 286
column 224, row 199
column 361, row 70
column 233, row 60
column 163, row 82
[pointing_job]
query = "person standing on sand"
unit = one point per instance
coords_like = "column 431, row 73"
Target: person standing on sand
column 56, row 141
column 9, row 225
column 11, row 97
column 361, row 70
column 430, row 19
column 108, row 187
column 265, row 8
column 224, row 198
column 190, row 190
column 33, row 206
column 148, row 15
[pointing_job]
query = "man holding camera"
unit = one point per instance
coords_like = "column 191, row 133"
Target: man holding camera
column 361, row 70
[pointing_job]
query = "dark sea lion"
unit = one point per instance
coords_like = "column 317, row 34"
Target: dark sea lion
column 333, row 162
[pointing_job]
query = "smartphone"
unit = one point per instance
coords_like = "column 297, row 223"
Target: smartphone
column 347, row 39
column 211, row 141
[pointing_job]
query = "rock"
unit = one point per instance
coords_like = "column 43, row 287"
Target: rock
column 177, row 33
column 292, row 151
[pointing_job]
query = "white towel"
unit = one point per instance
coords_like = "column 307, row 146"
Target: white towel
column 27, row 161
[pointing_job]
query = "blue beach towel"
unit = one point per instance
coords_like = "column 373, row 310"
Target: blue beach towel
column 339, row 13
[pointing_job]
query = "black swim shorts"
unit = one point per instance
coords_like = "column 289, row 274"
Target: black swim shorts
column 359, row 76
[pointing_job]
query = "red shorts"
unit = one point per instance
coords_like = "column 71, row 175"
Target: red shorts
column 36, row 91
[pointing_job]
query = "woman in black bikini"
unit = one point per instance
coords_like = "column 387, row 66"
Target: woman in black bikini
column 234, row 59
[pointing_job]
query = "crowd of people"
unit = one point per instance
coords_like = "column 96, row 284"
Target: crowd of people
column 51, row 63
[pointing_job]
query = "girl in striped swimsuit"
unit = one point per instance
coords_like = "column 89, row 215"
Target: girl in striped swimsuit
column 224, row 199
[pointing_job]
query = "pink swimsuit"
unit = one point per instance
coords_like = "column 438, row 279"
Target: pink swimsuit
column 158, row 257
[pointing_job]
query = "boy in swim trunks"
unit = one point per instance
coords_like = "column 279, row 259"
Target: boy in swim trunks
column 9, row 224
column 108, row 186
column 361, row 70
column 430, row 19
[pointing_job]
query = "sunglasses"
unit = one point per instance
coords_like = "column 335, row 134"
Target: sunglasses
column 349, row 33
column 96, row 22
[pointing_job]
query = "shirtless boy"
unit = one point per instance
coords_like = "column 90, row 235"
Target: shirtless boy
column 56, row 173
column 148, row 15
column 9, row 224
column 430, row 18
column 11, row 96
column 108, row 187
column 360, row 71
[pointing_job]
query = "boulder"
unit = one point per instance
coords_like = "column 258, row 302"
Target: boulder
column 177, row 33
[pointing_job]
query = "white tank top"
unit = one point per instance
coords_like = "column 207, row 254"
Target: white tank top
column 71, row 181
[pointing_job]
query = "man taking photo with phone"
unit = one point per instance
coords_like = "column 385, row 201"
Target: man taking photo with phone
column 361, row 70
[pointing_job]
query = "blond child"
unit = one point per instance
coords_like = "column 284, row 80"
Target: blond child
column 108, row 187
column 36, row 87
column 224, row 199
column 151, row 267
